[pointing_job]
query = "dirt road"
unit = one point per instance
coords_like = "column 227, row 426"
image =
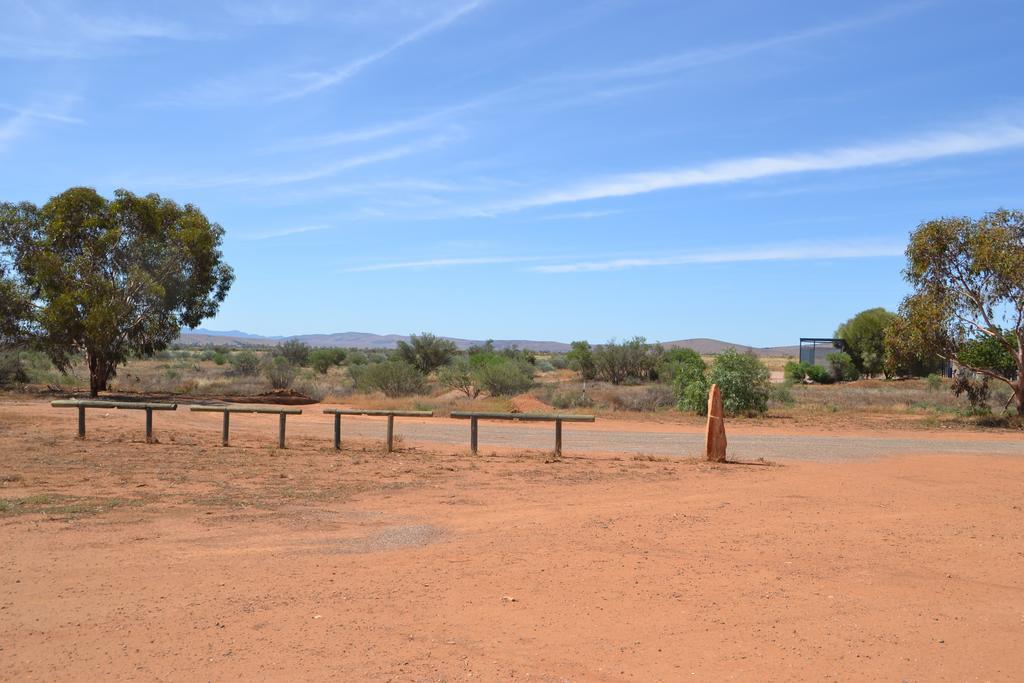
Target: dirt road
column 185, row 560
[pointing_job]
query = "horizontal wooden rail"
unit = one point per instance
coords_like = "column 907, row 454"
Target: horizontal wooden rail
column 117, row 405
column 280, row 411
column 274, row 410
column 390, row 414
column 474, row 418
column 534, row 417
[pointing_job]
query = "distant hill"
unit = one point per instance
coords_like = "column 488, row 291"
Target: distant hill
column 367, row 340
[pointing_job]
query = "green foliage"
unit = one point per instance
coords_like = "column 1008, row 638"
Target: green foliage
column 559, row 361
column 113, row 277
column 245, row 363
column 968, row 282
column 934, row 381
column 841, row 366
column 864, row 335
column 295, row 352
column 279, row 372
column 782, row 393
column 504, row 376
column 393, row 377
column 426, row 352
column 800, row 372
column 631, row 361
column 990, row 353
column 581, row 359
column 12, row 371
column 219, row 358
column 976, row 389
column 743, row 380
column 357, row 358
column 323, row 360
column 564, row 400
column 680, row 365
column 460, row 376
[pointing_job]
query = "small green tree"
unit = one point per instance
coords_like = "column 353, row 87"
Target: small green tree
column 842, row 367
column 506, row 377
column 426, row 352
column 295, row 352
column 743, row 380
column 323, row 360
column 392, row 377
column 459, row 375
column 864, row 335
column 279, row 372
column 245, row 363
column 581, row 359
column 968, row 281
column 113, row 278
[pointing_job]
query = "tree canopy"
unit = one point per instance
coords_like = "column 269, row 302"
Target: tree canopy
column 864, row 335
column 109, row 278
column 426, row 352
column 968, row 300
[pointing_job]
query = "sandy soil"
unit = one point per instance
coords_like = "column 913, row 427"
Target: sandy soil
column 186, row 560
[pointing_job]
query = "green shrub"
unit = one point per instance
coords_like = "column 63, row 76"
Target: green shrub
column 782, row 394
column 571, row 399
column 842, row 367
column 295, row 352
column 245, row 363
column 680, row 363
column 12, row 371
column 393, row 377
column 743, row 380
column 426, row 352
column 323, row 360
column 279, row 372
column 219, row 358
column 504, row 377
column 934, row 381
column 459, row 375
column 559, row 361
column 798, row 372
column 206, row 355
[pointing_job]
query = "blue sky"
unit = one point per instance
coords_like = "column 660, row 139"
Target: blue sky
column 518, row 169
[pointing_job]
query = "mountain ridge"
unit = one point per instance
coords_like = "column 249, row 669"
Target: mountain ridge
column 368, row 340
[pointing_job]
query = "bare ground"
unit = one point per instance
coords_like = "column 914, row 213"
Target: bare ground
column 186, row 560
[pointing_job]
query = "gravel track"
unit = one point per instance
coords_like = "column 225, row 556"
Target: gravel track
column 577, row 438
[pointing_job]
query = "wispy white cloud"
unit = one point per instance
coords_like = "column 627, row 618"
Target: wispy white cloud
column 48, row 29
column 302, row 175
column 579, row 215
column 281, row 83
column 23, row 119
column 794, row 251
column 974, row 140
column 692, row 59
column 316, row 81
column 786, row 252
column 444, row 262
column 285, row 232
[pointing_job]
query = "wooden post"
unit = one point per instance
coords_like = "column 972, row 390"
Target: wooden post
column 391, row 433
column 473, row 435
column 337, row 432
column 224, row 430
column 280, row 430
column 149, row 425
column 81, row 422
column 558, row 437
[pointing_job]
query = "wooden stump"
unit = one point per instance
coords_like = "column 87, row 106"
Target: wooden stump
column 714, row 440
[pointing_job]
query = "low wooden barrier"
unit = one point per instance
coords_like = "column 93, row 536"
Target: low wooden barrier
column 474, row 418
column 390, row 414
column 280, row 411
column 118, row 405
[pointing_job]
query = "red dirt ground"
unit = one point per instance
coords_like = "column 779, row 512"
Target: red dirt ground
column 186, row 560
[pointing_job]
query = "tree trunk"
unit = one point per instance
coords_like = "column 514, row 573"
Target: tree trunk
column 99, row 373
